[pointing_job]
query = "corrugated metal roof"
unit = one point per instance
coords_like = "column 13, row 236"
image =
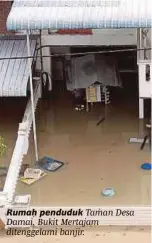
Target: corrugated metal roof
column 14, row 74
column 73, row 14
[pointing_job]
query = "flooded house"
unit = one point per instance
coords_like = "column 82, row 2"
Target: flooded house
column 49, row 51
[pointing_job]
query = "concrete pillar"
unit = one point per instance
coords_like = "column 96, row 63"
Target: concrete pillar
column 140, row 56
column 141, row 108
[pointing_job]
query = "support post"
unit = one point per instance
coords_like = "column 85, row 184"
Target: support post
column 151, row 63
column 32, row 96
column 141, row 108
column 138, row 44
column 41, row 60
column 151, row 83
column 140, row 55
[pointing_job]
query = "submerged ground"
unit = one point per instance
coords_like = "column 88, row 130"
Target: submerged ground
column 95, row 157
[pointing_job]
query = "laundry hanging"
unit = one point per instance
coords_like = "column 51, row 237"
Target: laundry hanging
column 84, row 71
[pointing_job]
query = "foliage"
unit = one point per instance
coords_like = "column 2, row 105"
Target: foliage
column 2, row 146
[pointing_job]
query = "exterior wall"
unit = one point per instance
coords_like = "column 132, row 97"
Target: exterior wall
column 5, row 7
column 144, row 68
column 148, row 44
column 144, row 43
column 61, row 43
column 102, row 37
column 144, row 84
column 144, row 61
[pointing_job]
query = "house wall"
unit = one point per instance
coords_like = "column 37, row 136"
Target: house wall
column 144, row 59
column 5, row 7
column 61, row 44
column 102, row 37
column 148, row 44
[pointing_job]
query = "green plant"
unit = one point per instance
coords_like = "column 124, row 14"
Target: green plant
column 2, row 146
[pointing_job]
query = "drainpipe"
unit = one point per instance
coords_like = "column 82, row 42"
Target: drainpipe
column 41, row 52
column 41, row 60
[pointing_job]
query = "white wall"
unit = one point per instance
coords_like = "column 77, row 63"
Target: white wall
column 148, row 44
column 104, row 37
column 144, row 86
column 98, row 38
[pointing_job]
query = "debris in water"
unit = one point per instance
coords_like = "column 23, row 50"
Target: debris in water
column 79, row 107
column 27, row 179
column 100, row 121
column 22, row 200
column 136, row 140
column 31, row 173
column 47, row 163
column 108, row 192
column 23, row 169
column 146, row 166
